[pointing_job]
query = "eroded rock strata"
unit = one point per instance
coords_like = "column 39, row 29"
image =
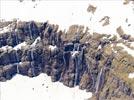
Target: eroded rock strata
column 92, row 61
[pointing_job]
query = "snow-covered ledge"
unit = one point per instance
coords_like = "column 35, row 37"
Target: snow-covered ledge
column 19, row 46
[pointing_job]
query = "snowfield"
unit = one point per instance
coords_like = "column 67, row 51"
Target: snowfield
column 39, row 88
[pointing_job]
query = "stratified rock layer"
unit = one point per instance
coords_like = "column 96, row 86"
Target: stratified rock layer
column 74, row 58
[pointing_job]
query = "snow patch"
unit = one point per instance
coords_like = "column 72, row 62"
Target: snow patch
column 20, row 63
column 52, row 48
column 99, row 47
column 36, row 41
column 19, row 46
column 74, row 53
column 131, row 75
column 5, row 48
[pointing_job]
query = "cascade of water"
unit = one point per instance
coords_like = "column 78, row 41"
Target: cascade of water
column 18, row 68
column 31, row 54
column 64, row 58
column 77, row 36
column 15, row 30
column 32, row 59
column 93, row 80
column 16, row 38
column 100, row 80
column 57, row 37
column 78, row 62
column 17, row 61
column 1, row 41
column 32, row 69
column 81, row 55
column 76, row 47
column 76, row 70
column 76, row 75
column 30, row 32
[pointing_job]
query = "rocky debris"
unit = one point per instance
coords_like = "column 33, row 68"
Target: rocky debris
column 120, row 31
column 91, row 8
column 127, row 1
column 106, row 20
column 126, row 39
column 123, row 35
column 126, row 20
column 75, row 58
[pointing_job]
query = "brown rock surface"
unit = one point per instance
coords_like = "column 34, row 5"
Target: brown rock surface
column 75, row 58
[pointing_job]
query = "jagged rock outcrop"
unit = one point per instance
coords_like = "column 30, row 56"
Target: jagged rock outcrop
column 74, row 58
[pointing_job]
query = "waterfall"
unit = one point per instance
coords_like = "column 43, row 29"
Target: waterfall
column 81, row 56
column 32, row 69
column 77, row 61
column 76, row 71
column 17, row 42
column 100, row 80
column 76, row 47
column 16, row 36
column 17, row 61
column 29, row 27
column 64, row 58
column 32, row 59
column 18, row 68
column 31, row 54
column 93, row 80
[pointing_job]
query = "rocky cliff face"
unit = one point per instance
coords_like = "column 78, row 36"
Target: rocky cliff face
column 92, row 61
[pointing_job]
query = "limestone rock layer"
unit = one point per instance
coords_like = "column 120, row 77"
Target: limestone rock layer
column 92, row 61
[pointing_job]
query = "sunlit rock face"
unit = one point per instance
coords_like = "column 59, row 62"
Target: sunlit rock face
column 75, row 58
